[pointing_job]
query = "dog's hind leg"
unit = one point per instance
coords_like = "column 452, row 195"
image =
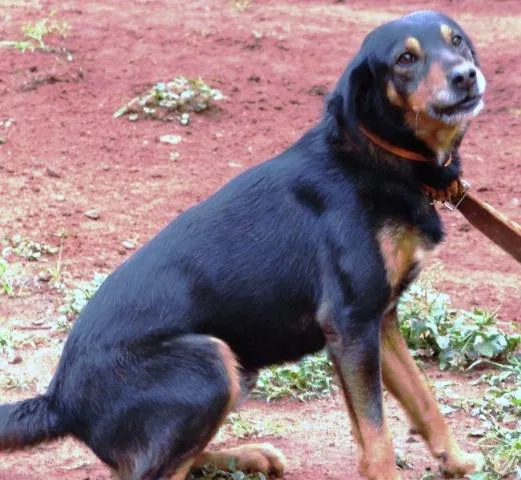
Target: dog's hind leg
column 404, row 380
column 176, row 393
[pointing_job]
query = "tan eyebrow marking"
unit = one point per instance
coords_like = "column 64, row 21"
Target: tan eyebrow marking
column 446, row 33
column 413, row 45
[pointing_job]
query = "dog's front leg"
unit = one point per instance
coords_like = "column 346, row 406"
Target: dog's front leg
column 353, row 344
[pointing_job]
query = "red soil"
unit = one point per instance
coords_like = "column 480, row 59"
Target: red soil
column 65, row 154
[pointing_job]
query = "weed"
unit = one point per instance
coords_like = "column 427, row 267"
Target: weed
column 7, row 284
column 35, row 35
column 37, row 31
column 456, row 338
column 64, row 325
column 309, row 378
column 173, row 100
column 29, row 249
column 77, row 298
column 243, row 428
column 56, row 271
column 19, row 383
column 209, row 472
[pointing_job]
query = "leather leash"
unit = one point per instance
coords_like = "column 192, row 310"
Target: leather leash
column 497, row 227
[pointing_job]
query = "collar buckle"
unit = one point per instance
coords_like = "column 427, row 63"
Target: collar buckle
column 454, row 206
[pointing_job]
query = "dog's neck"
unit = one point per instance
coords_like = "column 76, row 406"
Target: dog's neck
column 442, row 159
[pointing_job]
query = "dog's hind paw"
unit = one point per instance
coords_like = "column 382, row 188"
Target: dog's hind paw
column 261, row 457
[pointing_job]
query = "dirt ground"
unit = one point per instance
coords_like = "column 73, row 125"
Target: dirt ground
column 65, row 154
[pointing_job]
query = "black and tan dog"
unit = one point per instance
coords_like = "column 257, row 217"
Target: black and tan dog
column 311, row 249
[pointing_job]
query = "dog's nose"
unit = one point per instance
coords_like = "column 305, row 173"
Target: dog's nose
column 463, row 76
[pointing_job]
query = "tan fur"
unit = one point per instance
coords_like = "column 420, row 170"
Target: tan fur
column 400, row 247
column 437, row 135
column 434, row 80
column 377, row 461
column 413, row 45
column 232, row 368
column 404, row 380
column 262, row 457
column 446, row 33
column 393, row 95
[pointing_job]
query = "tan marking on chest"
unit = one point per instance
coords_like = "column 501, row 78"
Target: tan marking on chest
column 402, row 247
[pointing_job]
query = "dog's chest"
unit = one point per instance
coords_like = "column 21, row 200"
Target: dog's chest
column 403, row 250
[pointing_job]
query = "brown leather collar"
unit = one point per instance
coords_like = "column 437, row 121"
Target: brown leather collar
column 398, row 151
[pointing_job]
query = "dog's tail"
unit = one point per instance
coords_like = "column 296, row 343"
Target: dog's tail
column 29, row 422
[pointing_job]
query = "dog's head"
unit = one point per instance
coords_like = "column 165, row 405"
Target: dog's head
column 415, row 82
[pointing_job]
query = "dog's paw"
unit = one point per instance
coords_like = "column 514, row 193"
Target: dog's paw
column 261, row 457
column 461, row 463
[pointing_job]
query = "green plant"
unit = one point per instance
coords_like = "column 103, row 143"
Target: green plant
column 56, row 271
column 19, row 383
column 78, row 297
column 310, row 378
column 35, row 34
column 6, row 278
column 500, row 411
column 30, row 249
column 241, row 427
column 209, row 472
column 37, row 31
column 502, row 448
column 456, row 338
column 176, row 99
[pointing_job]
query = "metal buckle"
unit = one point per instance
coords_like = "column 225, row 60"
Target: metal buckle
column 449, row 205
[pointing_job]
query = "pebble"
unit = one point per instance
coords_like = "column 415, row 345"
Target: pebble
column 128, row 244
column 15, row 360
column 92, row 214
column 171, row 139
column 44, row 276
column 52, row 173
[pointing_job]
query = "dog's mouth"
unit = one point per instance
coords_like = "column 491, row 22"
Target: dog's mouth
column 461, row 110
column 466, row 105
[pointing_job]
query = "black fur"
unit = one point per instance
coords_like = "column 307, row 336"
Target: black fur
column 279, row 262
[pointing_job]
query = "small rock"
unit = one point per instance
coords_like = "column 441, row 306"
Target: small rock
column 128, row 244
column 516, row 202
column 234, row 165
column 184, row 119
column 2, row 140
column 59, row 198
column 44, row 276
column 477, row 432
column 171, row 139
column 411, row 440
column 133, row 117
column 52, row 173
column 15, row 360
column 174, row 156
column 38, row 323
column 92, row 214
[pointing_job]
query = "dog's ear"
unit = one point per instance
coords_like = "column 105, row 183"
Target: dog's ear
column 351, row 89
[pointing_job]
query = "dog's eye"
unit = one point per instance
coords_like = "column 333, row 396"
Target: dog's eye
column 406, row 58
column 456, row 40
